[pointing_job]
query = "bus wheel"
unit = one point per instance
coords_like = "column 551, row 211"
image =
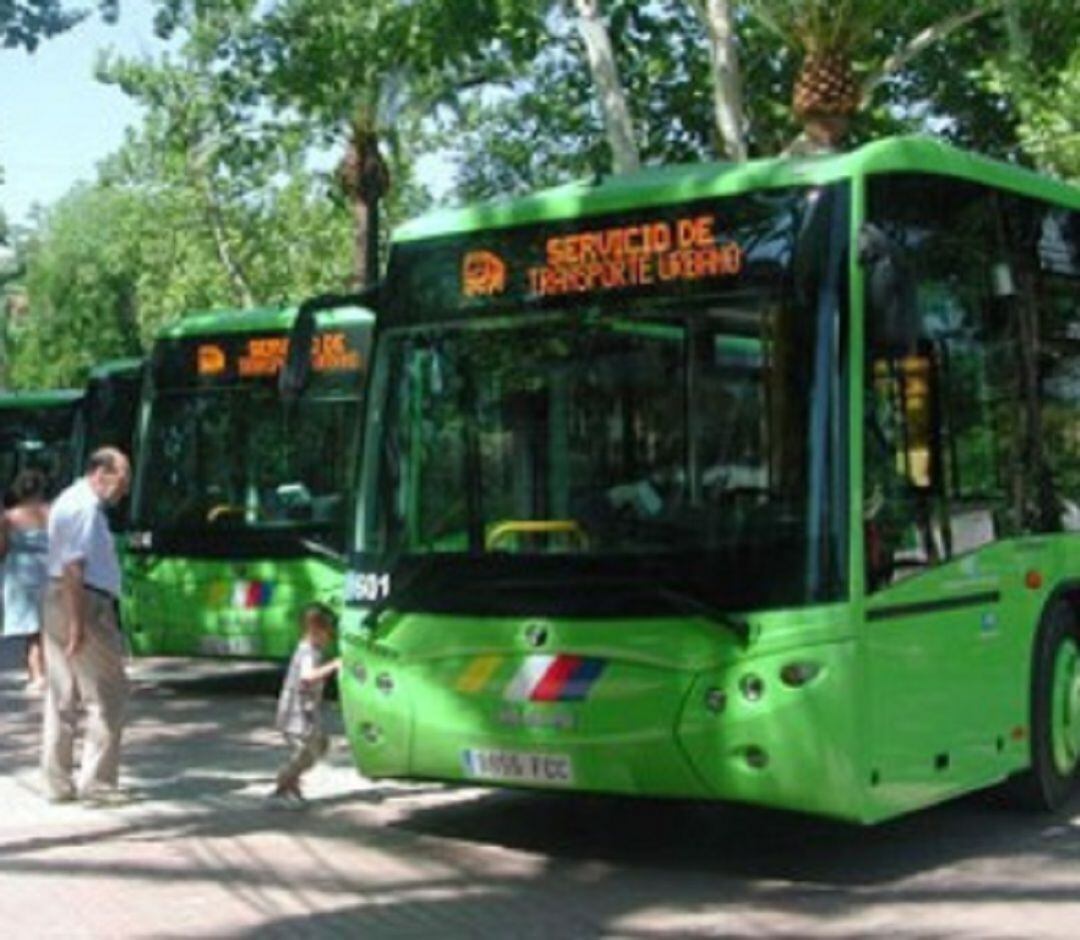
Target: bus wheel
column 1055, row 713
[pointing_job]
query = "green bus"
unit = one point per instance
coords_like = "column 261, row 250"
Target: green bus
column 108, row 416
column 239, row 505
column 110, row 408
column 36, row 430
column 756, row 482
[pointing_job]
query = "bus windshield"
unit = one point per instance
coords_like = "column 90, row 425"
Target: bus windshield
column 38, row 438
column 681, row 439
column 233, row 458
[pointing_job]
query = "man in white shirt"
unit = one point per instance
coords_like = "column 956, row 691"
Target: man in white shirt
column 84, row 653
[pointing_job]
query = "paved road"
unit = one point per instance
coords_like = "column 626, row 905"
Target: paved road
column 201, row 854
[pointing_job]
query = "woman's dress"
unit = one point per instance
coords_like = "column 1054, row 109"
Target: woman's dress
column 25, row 574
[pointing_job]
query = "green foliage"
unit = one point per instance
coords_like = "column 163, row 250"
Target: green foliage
column 1037, row 75
column 1050, row 131
column 82, row 268
column 815, row 26
column 211, row 202
column 24, row 23
column 337, row 61
column 545, row 126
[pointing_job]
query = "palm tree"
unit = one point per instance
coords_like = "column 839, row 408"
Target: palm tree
column 357, row 70
column 830, row 35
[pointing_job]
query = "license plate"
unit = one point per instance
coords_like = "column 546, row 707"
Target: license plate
column 553, row 770
column 229, row 645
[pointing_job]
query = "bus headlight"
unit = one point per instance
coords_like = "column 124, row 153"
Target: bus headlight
column 715, row 700
column 799, row 674
column 752, row 687
column 360, row 673
column 384, row 682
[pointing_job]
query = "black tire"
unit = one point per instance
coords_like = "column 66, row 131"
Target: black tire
column 1043, row 787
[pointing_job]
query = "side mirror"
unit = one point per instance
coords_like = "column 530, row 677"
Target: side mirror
column 892, row 321
column 296, row 372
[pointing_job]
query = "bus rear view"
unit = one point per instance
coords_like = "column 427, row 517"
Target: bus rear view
column 240, row 503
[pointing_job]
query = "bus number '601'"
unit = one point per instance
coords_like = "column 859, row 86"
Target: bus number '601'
column 367, row 588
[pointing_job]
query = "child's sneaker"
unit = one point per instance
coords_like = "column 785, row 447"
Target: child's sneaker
column 285, row 798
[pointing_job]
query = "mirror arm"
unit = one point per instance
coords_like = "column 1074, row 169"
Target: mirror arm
column 293, row 377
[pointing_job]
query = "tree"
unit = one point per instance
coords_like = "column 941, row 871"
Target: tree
column 618, row 125
column 718, row 17
column 1050, row 129
column 82, row 266
column 1042, row 88
column 205, row 120
column 24, row 23
column 830, row 34
column 363, row 76
column 546, row 126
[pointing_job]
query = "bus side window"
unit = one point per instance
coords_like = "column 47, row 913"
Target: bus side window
column 933, row 480
column 1043, row 277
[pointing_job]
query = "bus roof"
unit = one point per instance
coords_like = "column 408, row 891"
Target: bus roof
column 683, row 183
column 45, row 398
column 259, row 319
column 115, row 367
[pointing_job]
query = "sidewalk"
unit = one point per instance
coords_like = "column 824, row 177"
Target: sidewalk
column 201, row 854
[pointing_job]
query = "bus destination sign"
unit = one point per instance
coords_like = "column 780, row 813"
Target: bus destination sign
column 622, row 257
column 264, row 356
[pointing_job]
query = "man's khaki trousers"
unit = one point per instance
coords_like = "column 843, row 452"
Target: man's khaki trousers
column 92, row 679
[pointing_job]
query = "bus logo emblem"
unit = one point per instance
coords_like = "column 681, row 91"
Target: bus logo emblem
column 483, row 274
column 211, row 359
column 536, row 635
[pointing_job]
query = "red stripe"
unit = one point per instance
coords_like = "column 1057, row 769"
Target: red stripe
column 253, row 592
column 550, row 687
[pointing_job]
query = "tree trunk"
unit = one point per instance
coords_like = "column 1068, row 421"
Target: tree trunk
column 365, row 180
column 241, row 289
column 618, row 124
column 917, row 44
column 716, row 15
column 364, row 274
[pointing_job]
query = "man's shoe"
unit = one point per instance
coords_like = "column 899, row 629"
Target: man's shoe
column 107, row 796
column 61, row 796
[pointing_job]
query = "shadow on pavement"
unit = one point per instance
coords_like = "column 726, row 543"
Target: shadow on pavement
column 747, row 842
column 386, row 860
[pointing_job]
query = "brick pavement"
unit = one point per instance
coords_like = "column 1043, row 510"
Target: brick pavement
column 201, row 854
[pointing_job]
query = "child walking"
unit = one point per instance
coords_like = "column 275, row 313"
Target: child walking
column 299, row 713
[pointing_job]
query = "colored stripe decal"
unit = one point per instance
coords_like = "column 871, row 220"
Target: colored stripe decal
column 587, row 672
column 553, row 682
column 528, row 677
column 551, row 679
column 219, row 593
column 479, row 672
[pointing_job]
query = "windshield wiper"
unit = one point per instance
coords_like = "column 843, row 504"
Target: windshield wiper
column 339, row 559
column 688, row 603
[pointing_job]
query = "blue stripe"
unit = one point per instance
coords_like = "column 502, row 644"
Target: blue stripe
column 578, row 685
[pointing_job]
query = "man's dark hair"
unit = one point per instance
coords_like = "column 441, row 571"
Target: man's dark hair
column 30, row 483
column 320, row 610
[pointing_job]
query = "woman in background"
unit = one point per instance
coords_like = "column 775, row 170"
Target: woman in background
column 23, row 545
